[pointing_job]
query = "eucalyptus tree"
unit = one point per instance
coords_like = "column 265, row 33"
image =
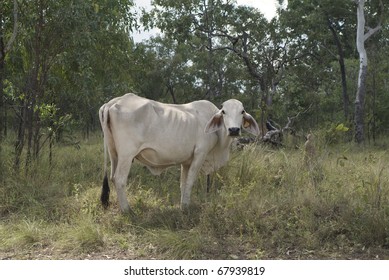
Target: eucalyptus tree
column 146, row 75
column 261, row 46
column 377, row 98
column 220, row 31
column 191, row 23
column 322, row 32
column 328, row 31
column 363, row 34
column 163, row 70
column 68, row 57
column 8, row 32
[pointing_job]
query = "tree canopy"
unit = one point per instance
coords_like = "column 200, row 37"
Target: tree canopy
column 61, row 60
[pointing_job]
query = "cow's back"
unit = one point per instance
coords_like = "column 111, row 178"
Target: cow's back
column 162, row 134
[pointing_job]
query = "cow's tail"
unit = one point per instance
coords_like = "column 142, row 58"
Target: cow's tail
column 104, row 125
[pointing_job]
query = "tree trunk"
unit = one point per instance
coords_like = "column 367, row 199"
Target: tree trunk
column 361, row 91
column 2, row 107
column 20, row 140
column 346, row 100
column 170, row 89
column 4, row 49
column 374, row 105
column 359, row 105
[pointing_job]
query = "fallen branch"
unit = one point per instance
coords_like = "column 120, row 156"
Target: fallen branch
column 275, row 135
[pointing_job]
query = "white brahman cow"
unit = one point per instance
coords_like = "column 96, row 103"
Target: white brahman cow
column 196, row 135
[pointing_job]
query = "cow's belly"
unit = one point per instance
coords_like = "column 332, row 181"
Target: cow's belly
column 160, row 159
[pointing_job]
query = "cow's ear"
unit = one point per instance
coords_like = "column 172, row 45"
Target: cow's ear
column 215, row 123
column 250, row 125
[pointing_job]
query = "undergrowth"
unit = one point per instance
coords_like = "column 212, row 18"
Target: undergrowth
column 266, row 203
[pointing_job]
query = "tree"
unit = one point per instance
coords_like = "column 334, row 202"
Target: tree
column 322, row 31
column 219, row 29
column 376, row 112
column 70, row 57
column 362, row 36
column 192, row 22
column 262, row 48
column 6, row 42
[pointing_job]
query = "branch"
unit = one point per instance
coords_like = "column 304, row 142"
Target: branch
column 371, row 31
column 290, row 119
column 15, row 29
column 275, row 136
column 221, row 49
column 241, row 53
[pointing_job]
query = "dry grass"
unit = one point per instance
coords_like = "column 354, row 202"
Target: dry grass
column 265, row 204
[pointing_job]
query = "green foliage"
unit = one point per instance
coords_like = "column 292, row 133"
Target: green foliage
column 73, row 56
column 335, row 133
column 69, row 58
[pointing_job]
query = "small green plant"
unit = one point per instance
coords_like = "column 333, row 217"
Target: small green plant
column 336, row 133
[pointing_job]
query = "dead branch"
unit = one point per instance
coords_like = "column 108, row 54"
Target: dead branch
column 275, row 135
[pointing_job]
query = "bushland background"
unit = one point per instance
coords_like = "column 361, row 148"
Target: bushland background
column 61, row 60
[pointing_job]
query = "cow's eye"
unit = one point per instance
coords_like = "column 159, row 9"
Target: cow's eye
column 243, row 112
column 223, row 112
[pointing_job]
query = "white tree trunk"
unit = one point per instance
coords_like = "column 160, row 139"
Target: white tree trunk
column 360, row 96
column 361, row 91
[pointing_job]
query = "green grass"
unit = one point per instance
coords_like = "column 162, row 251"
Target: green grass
column 265, row 204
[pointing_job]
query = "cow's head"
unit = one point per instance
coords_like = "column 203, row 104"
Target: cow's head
column 233, row 117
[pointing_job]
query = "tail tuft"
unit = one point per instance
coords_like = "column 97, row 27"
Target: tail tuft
column 105, row 193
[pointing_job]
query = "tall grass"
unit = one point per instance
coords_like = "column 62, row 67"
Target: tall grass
column 265, row 204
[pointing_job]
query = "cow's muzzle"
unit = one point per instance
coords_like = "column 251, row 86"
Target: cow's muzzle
column 234, row 131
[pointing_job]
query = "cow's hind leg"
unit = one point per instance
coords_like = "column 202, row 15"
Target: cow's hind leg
column 120, row 180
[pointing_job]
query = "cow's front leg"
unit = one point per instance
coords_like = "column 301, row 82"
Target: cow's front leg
column 184, row 176
column 191, row 175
